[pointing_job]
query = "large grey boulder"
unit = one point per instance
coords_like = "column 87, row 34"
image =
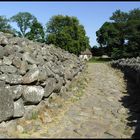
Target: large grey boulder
column 40, row 59
column 57, row 69
column 14, row 79
column 3, row 39
column 8, row 69
column 9, row 49
column 2, row 52
column 16, row 91
column 11, row 78
column 49, row 72
column 6, row 104
column 29, row 58
column 50, row 86
column 3, row 77
column 7, row 60
column 31, row 76
column 23, row 67
column 16, row 61
column 32, row 94
column 19, row 109
column 42, row 74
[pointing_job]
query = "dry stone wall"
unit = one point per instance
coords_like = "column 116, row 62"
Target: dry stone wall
column 31, row 71
column 130, row 66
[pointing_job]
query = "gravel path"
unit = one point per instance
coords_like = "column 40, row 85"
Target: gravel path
column 97, row 113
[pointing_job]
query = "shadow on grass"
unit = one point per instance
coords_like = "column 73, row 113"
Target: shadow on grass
column 131, row 101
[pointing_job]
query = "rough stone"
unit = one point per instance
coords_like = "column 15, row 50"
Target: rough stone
column 3, row 40
column 50, row 86
column 2, row 52
column 8, row 69
column 17, row 91
column 31, row 76
column 23, row 67
column 19, row 108
column 6, row 104
column 30, row 59
column 30, row 70
column 11, row 78
column 33, row 94
column 42, row 74
column 7, row 60
column 9, row 49
column 17, row 62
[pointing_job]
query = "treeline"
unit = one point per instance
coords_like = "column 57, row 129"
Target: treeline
column 63, row 31
column 120, row 37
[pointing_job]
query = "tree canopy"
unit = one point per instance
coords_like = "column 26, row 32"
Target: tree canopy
column 5, row 25
column 36, row 32
column 24, row 21
column 67, row 33
column 121, row 36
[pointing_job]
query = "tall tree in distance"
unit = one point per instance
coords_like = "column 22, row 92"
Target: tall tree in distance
column 67, row 33
column 24, row 21
column 107, row 37
column 121, row 34
column 133, row 33
column 4, row 25
column 119, row 16
column 36, row 32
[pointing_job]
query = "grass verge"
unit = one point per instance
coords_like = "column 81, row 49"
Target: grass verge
column 99, row 60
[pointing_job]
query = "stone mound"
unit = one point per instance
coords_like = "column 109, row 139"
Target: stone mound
column 31, row 71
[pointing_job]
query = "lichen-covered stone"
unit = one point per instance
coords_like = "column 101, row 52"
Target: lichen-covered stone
column 17, row 62
column 8, row 69
column 2, row 52
column 6, row 104
column 23, row 67
column 29, row 58
column 33, row 94
column 17, row 91
column 50, row 86
column 11, row 78
column 19, row 109
column 30, row 71
column 7, row 60
column 31, row 76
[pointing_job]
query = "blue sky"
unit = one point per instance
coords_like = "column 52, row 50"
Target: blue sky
column 90, row 14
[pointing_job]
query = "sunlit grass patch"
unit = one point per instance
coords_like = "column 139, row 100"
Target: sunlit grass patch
column 99, row 60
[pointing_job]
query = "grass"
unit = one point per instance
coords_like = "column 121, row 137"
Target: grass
column 34, row 115
column 99, row 60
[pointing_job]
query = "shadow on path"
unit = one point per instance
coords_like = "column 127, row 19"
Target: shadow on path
column 132, row 101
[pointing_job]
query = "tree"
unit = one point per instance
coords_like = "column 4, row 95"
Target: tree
column 67, row 33
column 4, row 25
column 129, row 26
column 108, row 37
column 119, row 16
column 133, row 33
column 121, row 36
column 97, row 51
column 134, row 14
column 36, row 32
column 24, row 21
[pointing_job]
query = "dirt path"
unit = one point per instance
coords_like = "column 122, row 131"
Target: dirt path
column 97, row 113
